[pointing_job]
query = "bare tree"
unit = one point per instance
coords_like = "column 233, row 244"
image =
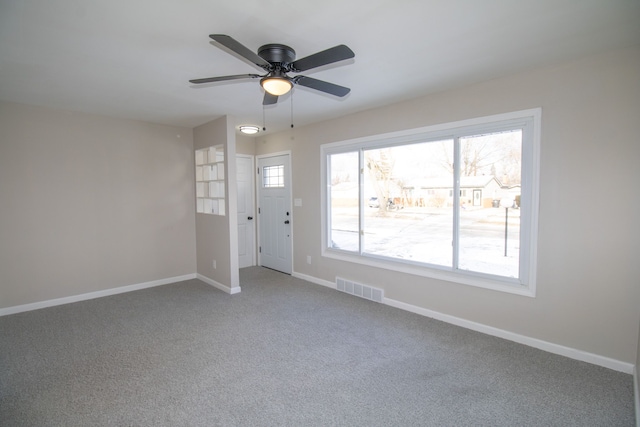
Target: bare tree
column 496, row 155
column 380, row 165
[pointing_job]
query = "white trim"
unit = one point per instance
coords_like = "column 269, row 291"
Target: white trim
column 315, row 280
column 535, row 199
column 224, row 288
column 434, row 273
column 561, row 350
column 276, row 154
column 93, row 295
column 636, row 394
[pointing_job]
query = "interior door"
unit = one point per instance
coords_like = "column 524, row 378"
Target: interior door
column 274, row 212
column 246, row 212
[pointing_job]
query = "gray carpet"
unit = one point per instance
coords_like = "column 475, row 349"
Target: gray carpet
column 284, row 352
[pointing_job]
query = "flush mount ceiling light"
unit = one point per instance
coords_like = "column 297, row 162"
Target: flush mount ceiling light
column 276, row 83
column 249, row 130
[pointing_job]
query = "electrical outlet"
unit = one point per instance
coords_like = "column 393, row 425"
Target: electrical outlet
column 308, row 259
column 214, row 264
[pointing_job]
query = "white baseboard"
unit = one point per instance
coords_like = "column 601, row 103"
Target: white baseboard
column 92, row 295
column 315, row 280
column 224, row 288
column 572, row 353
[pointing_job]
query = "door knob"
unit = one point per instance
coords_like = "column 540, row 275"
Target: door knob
column 249, row 218
column 286, row 222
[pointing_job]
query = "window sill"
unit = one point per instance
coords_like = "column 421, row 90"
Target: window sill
column 470, row 279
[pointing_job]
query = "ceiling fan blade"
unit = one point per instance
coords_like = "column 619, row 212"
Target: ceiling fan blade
column 224, row 78
column 329, row 56
column 269, row 99
column 240, row 49
column 321, row 85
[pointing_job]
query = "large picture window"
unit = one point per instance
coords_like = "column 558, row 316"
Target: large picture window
column 456, row 201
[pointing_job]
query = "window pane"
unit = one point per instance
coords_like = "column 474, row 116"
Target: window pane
column 408, row 204
column 490, row 183
column 344, row 199
column 273, row 176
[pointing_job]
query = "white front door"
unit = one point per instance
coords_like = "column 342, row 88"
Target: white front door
column 274, row 212
column 246, row 212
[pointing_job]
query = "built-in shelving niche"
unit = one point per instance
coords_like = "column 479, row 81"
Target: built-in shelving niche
column 210, row 197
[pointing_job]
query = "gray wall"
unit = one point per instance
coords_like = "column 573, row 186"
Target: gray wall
column 89, row 203
column 588, row 269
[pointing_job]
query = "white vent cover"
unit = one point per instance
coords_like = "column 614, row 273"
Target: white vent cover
column 359, row 290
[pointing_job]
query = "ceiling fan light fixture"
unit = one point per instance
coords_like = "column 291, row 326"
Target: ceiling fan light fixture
column 277, row 60
column 276, row 85
column 249, row 130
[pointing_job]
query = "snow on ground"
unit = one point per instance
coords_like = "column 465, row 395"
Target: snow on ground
column 425, row 235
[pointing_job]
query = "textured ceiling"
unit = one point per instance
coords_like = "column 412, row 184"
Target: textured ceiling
column 133, row 59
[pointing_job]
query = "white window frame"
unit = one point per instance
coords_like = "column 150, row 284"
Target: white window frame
column 526, row 283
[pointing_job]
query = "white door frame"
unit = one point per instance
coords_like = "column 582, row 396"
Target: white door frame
column 290, row 196
column 253, row 201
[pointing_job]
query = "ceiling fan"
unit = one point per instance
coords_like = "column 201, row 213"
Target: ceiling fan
column 278, row 60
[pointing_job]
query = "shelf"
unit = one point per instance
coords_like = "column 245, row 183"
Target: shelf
column 210, row 183
column 210, row 206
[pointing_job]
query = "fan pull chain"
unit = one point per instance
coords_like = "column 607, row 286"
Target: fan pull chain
column 291, row 109
column 264, row 126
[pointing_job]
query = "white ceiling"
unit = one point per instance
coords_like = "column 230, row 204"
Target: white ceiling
column 133, row 59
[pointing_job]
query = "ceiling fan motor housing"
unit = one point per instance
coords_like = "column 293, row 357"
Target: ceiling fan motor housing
column 277, row 53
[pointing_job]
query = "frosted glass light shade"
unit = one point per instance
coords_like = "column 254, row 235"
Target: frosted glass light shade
column 276, row 85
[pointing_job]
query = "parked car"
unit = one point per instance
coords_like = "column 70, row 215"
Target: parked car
column 373, row 202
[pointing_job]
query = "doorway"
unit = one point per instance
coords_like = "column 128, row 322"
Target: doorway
column 274, row 212
column 246, row 211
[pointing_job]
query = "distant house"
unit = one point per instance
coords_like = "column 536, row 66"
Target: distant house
column 480, row 191
column 474, row 191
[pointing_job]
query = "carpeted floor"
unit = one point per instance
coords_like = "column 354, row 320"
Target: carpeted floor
column 283, row 352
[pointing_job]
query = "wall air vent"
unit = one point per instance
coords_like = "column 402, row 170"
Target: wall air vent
column 359, row 290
